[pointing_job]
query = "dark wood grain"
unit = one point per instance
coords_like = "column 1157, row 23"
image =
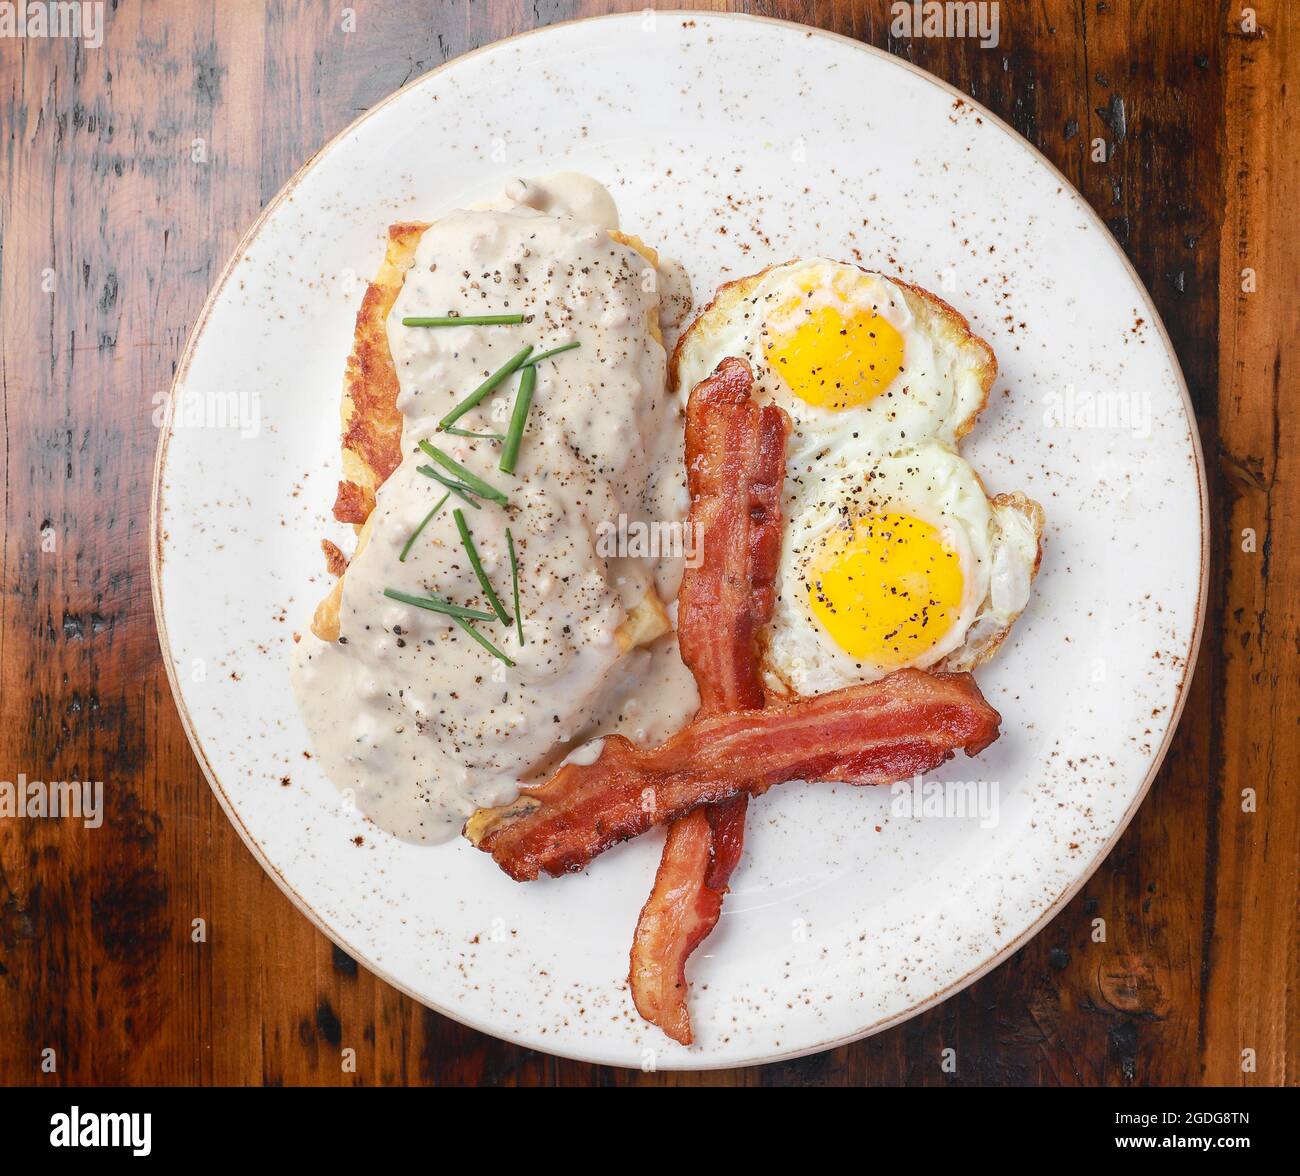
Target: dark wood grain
column 100, row 191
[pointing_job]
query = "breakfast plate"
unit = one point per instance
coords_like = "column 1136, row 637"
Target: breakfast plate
column 853, row 908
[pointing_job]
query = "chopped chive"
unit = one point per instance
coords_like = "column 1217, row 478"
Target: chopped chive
column 483, row 641
column 471, row 481
column 477, row 564
column 536, row 359
column 518, row 419
column 514, row 584
column 438, row 605
column 459, row 490
column 406, row 550
column 508, row 368
column 464, row 320
column 451, row 430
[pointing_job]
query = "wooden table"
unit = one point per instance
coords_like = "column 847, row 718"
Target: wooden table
column 111, row 234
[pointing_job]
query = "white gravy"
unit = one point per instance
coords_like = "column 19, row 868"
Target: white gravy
column 408, row 714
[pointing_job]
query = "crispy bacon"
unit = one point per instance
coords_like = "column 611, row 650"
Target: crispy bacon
column 681, row 912
column 702, row 850
column 735, row 466
column 735, row 462
column 905, row 724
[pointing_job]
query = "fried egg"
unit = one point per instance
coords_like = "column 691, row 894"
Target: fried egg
column 846, row 352
column 893, row 561
column 894, row 554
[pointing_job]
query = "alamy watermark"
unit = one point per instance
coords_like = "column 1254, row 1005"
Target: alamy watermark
column 920, row 799
column 241, row 410
column 947, row 18
column 638, row 539
column 78, row 1128
column 1114, row 409
column 77, row 800
column 31, row 19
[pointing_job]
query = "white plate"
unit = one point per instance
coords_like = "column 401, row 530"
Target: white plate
column 730, row 143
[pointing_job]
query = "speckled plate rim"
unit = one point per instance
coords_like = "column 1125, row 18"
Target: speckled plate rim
column 1048, row 914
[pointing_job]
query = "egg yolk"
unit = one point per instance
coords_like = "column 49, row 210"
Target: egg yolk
column 887, row 590
column 834, row 356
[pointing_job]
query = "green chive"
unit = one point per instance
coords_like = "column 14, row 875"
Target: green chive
column 480, row 393
column 456, row 488
column 452, row 431
column 483, row 641
column 468, row 540
column 416, row 533
column 514, row 584
column 518, row 419
column 536, row 359
column 472, row 481
column 438, row 605
column 464, row 320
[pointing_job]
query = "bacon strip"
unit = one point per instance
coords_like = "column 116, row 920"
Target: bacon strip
column 735, row 463
column 735, row 468
column 905, row 724
column 681, row 912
